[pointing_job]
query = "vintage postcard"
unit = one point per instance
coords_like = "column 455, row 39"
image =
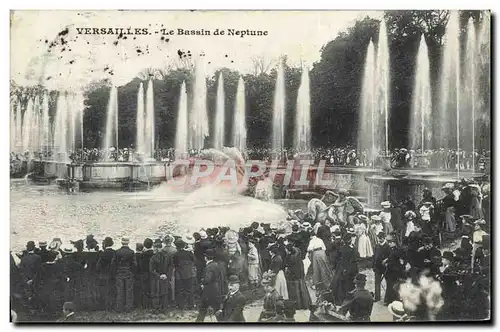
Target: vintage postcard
column 250, row 166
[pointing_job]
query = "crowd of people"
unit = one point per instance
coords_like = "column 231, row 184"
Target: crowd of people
column 448, row 159
column 312, row 262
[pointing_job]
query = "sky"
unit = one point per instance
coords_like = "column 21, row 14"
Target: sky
column 47, row 49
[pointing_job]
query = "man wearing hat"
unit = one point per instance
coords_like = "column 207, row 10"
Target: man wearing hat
column 200, row 248
column 143, row 273
column 185, row 274
column 73, row 273
column 90, row 292
column 346, row 269
column 42, row 251
column 394, row 270
column 125, row 268
column 233, row 303
column 360, row 302
column 381, row 253
column 105, row 275
column 29, row 268
column 210, row 286
column 449, row 204
column 169, row 249
column 160, row 268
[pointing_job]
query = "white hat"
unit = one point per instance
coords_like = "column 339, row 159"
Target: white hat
column 67, row 249
column 397, row 309
column 188, row 239
column 376, row 217
column 386, row 204
column 203, row 234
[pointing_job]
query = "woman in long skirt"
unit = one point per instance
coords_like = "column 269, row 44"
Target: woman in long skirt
column 276, row 268
column 364, row 245
column 322, row 276
column 297, row 288
column 253, row 264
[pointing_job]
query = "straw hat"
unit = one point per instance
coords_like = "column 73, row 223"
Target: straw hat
column 386, row 204
column 397, row 309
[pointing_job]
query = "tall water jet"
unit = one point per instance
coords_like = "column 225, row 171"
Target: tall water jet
column 149, row 131
column 366, row 129
column 278, row 140
column 302, row 138
column 19, row 126
column 484, row 80
column 199, row 118
column 420, row 127
column 218, row 140
column 45, row 122
column 382, row 85
column 181, row 135
column 140, row 124
column 61, row 128
column 13, row 125
column 27, row 126
column 239, row 126
column 449, row 108
column 111, row 134
column 73, row 116
column 470, row 97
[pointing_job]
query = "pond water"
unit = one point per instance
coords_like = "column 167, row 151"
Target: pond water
column 44, row 212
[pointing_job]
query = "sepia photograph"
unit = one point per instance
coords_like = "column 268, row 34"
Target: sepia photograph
column 214, row 167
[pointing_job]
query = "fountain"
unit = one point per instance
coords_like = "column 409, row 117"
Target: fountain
column 302, row 138
column 181, row 136
column 470, row 96
column 198, row 118
column 382, row 82
column 61, row 129
column 449, row 108
column 13, row 125
column 149, row 127
column 422, row 101
column 27, row 131
column 45, row 122
column 366, row 131
column 139, row 143
column 19, row 126
column 239, row 126
column 111, row 134
column 218, row 140
column 279, row 110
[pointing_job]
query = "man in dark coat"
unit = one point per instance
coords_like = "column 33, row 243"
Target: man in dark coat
column 73, row 273
column 42, row 251
column 29, row 268
column 200, row 248
column 345, row 270
column 360, row 301
column 143, row 273
column 52, row 283
column 382, row 251
column 185, row 273
column 394, row 270
column 125, row 269
column 233, row 303
column 106, row 275
column 210, row 285
column 90, row 289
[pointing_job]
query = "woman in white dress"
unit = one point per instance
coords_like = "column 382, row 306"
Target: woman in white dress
column 365, row 249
